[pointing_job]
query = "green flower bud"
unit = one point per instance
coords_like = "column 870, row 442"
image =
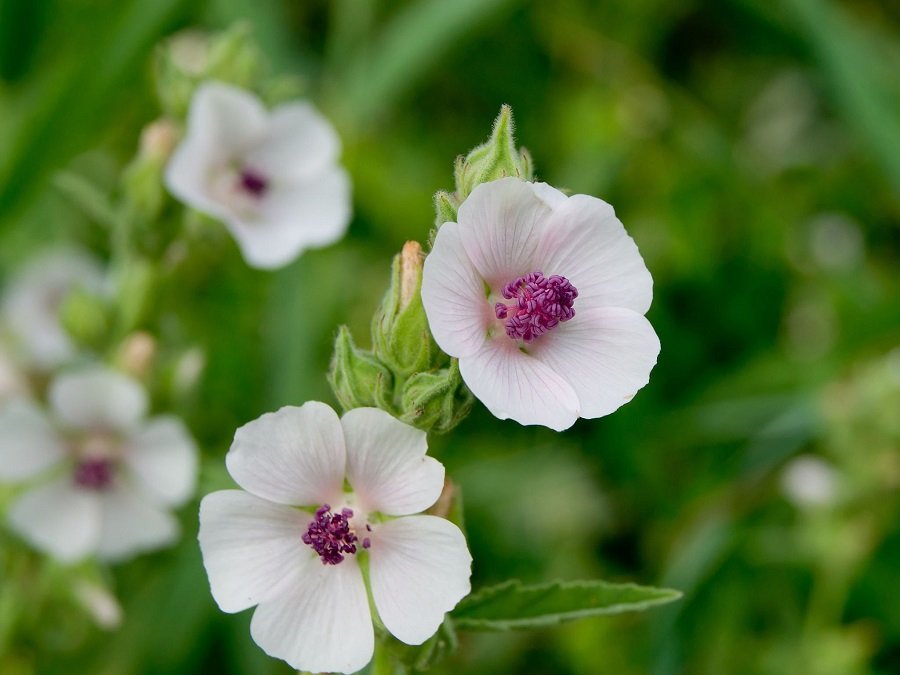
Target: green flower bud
column 494, row 159
column 85, row 316
column 400, row 335
column 436, row 401
column 188, row 58
column 142, row 181
column 137, row 290
column 357, row 377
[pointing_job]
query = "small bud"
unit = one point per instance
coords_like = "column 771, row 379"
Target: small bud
column 136, row 354
column 496, row 158
column 188, row 58
column 137, row 290
column 356, row 376
column 142, row 181
column 400, row 335
column 102, row 605
column 445, row 208
column 85, row 316
column 436, row 401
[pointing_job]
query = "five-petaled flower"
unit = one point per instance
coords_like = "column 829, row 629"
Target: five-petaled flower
column 109, row 477
column 271, row 177
column 325, row 498
column 541, row 297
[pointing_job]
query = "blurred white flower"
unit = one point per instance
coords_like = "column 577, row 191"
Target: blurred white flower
column 301, row 565
column 108, row 477
column 809, row 481
column 271, row 177
column 541, row 297
column 32, row 301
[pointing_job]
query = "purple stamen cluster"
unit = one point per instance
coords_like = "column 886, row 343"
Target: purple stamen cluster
column 94, row 474
column 329, row 535
column 541, row 303
column 253, row 183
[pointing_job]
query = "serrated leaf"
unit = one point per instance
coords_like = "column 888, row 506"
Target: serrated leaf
column 513, row 605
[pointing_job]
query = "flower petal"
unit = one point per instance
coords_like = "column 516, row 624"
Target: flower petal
column 453, row 295
column 28, row 443
column 164, row 458
column 132, row 524
column 294, row 456
column 299, row 143
column 98, row 397
column 387, row 465
column 587, row 244
column 294, row 217
column 501, row 225
column 605, row 354
column 515, row 385
column 321, row 623
column 222, row 122
column 419, row 569
column 58, row 518
column 249, row 545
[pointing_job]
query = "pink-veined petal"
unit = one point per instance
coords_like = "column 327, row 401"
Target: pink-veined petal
column 419, row 569
column 585, row 242
column 131, row 524
column 387, row 465
column 98, row 398
column 321, row 622
column 28, row 442
column 249, row 547
column 606, row 355
column 294, row 456
column 163, row 457
column 298, row 144
column 453, row 295
column 59, row 518
column 294, row 217
column 501, row 225
column 515, row 385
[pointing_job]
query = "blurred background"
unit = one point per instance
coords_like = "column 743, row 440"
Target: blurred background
column 752, row 149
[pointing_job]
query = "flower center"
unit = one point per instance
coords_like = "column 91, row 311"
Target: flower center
column 252, row 183
column 94, row 473
column 330, row 535
column 539, row 304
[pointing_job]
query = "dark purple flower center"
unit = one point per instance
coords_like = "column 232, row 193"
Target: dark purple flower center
column 94, row 474
column 253, row 183
column 539, row 304
column 330, row 535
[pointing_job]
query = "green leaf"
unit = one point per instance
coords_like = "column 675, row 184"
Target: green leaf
column 512, row 605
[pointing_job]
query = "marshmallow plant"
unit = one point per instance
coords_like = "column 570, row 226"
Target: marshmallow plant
column 271, row 176
column 102, row 478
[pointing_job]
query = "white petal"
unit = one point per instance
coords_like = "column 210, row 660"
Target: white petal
column 294, row 456
column 299, row 143
column 132, row 524
column 587, row 244
column 549, row 194
column 223, row 123
column 98, row 397
column 322, row 624
column 515, row 385
column 420, row 569
column 249, row 546
column 59, row 518
column 163, row 456
column 28, row 443
column 294, row 217
column 386, row 463
column 605, row 354
column 454, row 295
column 501, row 225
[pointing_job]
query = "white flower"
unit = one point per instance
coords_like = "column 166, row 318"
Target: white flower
column 107, row 477
column 32, row 301
column 271, row 177
column 302, row 565
column 810, row 481
column 541, row 297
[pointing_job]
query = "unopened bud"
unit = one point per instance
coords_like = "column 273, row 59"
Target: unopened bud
column 356, row 376
column 136, row 354
column 435, row 401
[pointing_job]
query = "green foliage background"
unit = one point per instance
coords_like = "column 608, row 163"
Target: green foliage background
column 752, row 149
